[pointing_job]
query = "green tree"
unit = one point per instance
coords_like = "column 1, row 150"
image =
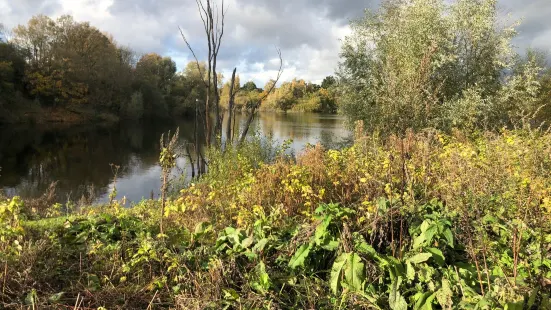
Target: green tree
column 413, row 62
column 157, row 70
column 328, row 82
column 12, row 71
column 249, row 86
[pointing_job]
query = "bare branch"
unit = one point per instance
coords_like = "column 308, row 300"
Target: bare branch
column 255, row 106
column 221, row 31
column 201, row 9
column 194, row 56
column 279, row 73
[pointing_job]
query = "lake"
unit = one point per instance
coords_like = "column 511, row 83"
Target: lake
column 81, row 159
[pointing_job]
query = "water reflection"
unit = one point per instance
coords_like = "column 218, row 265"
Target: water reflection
column 79, row 158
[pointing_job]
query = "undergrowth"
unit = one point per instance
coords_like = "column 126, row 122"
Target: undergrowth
column 427, row 221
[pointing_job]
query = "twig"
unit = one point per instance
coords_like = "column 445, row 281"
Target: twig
column 76, row 302
column 151, row 302
column 194, row 56
column 5, row 277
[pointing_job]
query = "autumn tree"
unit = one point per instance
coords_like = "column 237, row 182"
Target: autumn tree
column 157, row 70
column 188, row 88
column 2, row 33
column 70, row 62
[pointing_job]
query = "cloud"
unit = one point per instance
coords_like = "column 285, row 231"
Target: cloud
column 306, row 31
column 534, row 30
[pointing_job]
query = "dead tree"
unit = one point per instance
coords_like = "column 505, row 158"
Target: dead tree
column 213, row 24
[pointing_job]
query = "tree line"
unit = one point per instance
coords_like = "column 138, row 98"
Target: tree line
column 60, row 63
column 296, row 95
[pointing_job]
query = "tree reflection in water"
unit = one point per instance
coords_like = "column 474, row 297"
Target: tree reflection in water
column 79, row 158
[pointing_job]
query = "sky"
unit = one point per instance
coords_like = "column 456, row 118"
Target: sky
column 308, row 32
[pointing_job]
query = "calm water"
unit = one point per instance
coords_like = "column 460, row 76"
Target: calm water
column 80, row 158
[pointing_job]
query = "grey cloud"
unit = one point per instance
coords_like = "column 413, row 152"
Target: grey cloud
column 535, row 28
column 19, row 11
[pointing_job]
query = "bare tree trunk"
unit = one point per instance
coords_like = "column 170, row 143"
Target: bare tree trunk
column 230, row 110
column 233, row 128
column 196, row 137
column 248, row 123
column 191, row 164
column 207, row 22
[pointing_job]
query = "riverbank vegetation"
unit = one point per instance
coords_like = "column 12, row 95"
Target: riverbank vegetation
column 428, row 220
column 62, row 70
column 443, row 201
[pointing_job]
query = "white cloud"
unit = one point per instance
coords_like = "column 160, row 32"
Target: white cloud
column 306, row 31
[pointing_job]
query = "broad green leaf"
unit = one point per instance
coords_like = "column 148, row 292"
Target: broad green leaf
column 437, row 255
column 354, row 272
column 31, row 298
column 365, row 248
column 533, row 295
column 321, row 230
column 331, row 245
column 449, row 236
column 202, row 228
column 410, row 271
column 260, row 245
column 418, row 241
column 229, row 230
column 395, row 299
column 301, row 254
column 514, row 305
column 428, row 302
column 262, row 281
column 230, row 294
column 546, row 301
column 250, row 254
column 56, row 297
column 424, row 226
column 421, row 300
column 430, row 232
column 419, row 258
column 336, row 272
column 247, row 242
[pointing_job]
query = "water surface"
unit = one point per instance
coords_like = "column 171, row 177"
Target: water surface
column 81, row 159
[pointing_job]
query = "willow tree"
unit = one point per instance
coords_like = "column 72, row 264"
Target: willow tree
column 428, row 63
